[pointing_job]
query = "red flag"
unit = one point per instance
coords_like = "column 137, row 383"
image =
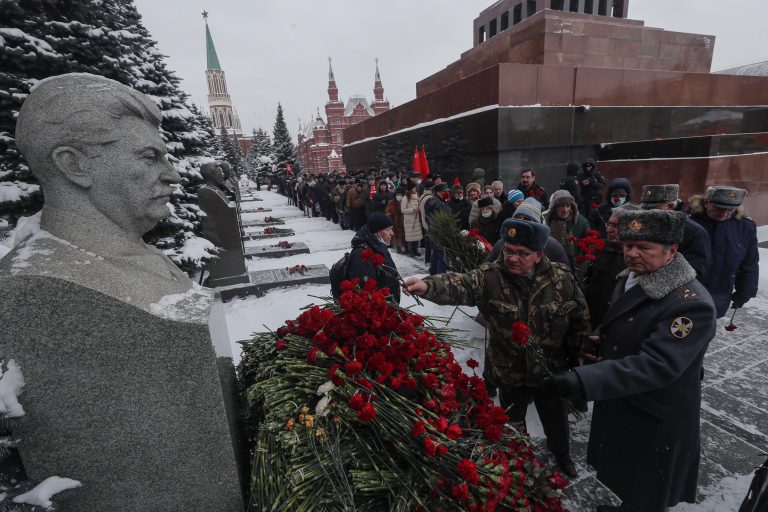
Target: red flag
column 288, row 168
column 424, row 164
column 416, row 165
column 456, row 181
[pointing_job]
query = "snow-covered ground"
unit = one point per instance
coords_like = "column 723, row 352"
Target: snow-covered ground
column 731, row 445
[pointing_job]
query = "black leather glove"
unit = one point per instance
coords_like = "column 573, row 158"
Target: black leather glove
column 738, row 302
column 567, row 385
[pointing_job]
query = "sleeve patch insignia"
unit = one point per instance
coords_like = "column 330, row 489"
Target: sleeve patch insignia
column 681, row 327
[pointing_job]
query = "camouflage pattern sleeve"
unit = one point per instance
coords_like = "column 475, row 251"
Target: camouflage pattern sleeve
column 456, row 289
column 579, row 327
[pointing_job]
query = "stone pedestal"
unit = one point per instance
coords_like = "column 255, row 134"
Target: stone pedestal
column 265, row 280
column 273, row 251
column 129, row 403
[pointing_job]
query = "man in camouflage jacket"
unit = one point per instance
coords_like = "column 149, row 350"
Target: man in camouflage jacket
column 523, row 285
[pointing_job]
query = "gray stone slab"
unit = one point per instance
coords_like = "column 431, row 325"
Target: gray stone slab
column 125, row 401
column 273, row 251
column 255, row 210
column 250, row 200
column 262, row 223
column 733, row 415
column 584, row 494
column 221, row 226
column 265, row 280
column 260, row 235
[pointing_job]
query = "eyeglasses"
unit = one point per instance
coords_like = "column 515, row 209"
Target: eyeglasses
column 611, row 224
column 521, row 255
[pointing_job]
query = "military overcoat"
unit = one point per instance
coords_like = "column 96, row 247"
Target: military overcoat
column 644, row 439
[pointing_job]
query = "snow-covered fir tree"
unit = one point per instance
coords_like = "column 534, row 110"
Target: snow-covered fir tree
column 282, row 145
column 260, row 161
column 232, row 152
column 106, row 37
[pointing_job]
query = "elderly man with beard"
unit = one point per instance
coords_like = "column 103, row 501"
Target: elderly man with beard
column 644, row 441
column 522, row 285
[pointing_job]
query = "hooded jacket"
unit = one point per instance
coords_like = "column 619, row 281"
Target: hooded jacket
column 364, row 270
column 598, row 217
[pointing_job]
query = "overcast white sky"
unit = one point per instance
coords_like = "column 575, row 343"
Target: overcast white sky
column 276, row 51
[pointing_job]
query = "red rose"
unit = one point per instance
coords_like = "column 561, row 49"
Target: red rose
column 453, row 432
column 280, row 345
column 460, row 492
column 468, row 471
column 472, row 363
column 356, row 401
column 367, row 413
column 418, row 429
column 353, row 367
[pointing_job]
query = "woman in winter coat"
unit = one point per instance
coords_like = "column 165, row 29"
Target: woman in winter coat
column 394, row 212
column 486, row 222
column 375, row 235
column 381, row 198
column 411, row 219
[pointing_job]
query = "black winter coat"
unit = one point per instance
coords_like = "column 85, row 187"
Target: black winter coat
column 601, row 280
column 364, row 270
column 461, row 210
column 379, row 201
column 644, row 440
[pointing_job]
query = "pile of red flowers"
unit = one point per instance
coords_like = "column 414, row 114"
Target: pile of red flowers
column 269, row 231
column 284, row 244
column 270, row 219
column 392, row 375
column 297, row 268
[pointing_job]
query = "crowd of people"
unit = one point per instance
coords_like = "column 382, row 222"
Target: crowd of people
column 625, row 326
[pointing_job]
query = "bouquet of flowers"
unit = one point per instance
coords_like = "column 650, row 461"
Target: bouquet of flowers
column 360, row 405
column 464, row 250
column 284, row 244
column 301, row 269
column 588, row 247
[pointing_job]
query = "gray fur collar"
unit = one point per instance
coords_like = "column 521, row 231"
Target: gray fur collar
column 670, row 277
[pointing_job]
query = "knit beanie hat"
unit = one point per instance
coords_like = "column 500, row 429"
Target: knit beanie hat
column 531, row 209
column 378, row 221
column 561, row 197
column 514, row 195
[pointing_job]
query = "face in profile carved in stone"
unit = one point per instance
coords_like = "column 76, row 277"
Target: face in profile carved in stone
column 131, row 177
column 213, row 172
column 95, row 147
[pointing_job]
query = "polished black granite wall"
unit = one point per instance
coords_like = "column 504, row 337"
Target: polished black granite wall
column 505, row 141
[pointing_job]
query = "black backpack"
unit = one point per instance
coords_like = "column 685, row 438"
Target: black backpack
column 757, row 497
column 339, row 273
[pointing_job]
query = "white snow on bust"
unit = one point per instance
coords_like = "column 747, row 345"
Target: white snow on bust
column 193, row 306
column 41, row 495
column 11, row 382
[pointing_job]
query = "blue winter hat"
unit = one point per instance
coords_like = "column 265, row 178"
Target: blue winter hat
column 515, row 195
column 528, row 234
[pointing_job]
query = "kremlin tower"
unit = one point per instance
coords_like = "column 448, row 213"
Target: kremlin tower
column 320, row 142
column 220, row 107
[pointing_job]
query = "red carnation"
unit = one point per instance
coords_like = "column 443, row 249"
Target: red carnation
column 356, row 401
column 453, row 432
column 474, row 232
column 417, row 429
column 353, row 367
column 580, row 259
column 460, row 492
column 591, row 257
column 372, row 256
column 558, row 480
column 367, row 413
column 468, row 471
column 472, row 363
column 594, row 206
column 520, row 332
column 280, row 345
column 442, row 449
column 430, row 446
column 336, row 375
column 312, row 356
column 492, row 433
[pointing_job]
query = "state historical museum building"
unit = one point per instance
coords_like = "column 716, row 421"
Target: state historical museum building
column 320, row 142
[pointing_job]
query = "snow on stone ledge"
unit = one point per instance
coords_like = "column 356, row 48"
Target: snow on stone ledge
column 41, row 495
column 192, row 306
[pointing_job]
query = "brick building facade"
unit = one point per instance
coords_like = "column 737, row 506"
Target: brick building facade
column 321, row 141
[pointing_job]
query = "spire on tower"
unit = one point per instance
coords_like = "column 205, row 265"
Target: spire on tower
column 213, row 59
column 333, row 91
column 378, row 77
column 379, row 104
column 330, row 71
